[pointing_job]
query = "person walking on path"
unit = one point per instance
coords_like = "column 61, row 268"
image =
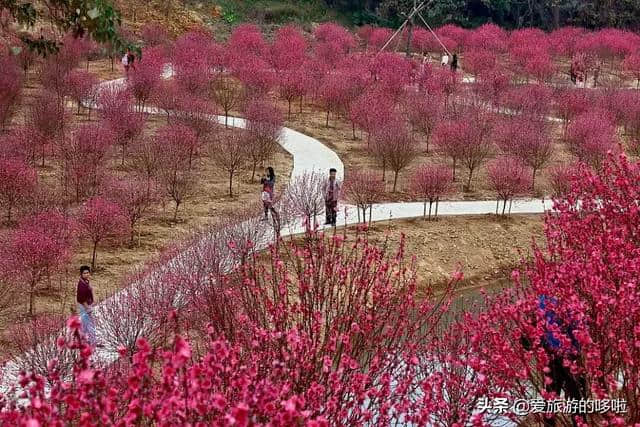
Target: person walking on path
column 125, row 62
column 268, row 182
column 84, row 297
column 131, row 59
column 331, row 197
column 454, row 63
column 445, row 60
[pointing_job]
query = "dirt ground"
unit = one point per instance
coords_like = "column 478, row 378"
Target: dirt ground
column 485, row 248
column 209, row 203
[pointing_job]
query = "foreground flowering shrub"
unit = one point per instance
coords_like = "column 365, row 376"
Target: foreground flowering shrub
column 328, row 331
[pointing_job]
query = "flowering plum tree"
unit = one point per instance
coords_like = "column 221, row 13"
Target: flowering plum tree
column 31, row 255
column 47, row 117
column 100, row 219
column 393, row 147
column 247, row 39
column 264, row 128
column 135, row 196
column 423, row 113
column 145, row 77
column 305, row 197
column 508, row 178
column 527, row 139
column 364, row 188
column 570, row 103
column 117, row 111
column 230, row 152
column 560, row 177
column 18, row 181
column 591, row 136
column 81, row 87
column 431, row 183
column 10, row 88
column 288, row 51
column 82, row 158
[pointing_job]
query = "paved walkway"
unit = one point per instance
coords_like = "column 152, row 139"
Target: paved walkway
column 308, row 155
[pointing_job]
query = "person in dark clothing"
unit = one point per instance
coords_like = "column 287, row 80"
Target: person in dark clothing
column 268, row 183
column 331, row 197
column 562, row 379
column 84, row 298
column 130, row 60
column 454, row 62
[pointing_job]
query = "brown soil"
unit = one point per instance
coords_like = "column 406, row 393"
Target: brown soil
column 485, row 248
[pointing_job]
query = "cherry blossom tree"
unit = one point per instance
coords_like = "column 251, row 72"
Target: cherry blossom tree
column 17, row 182
column 47, row 117
column 10, row 88
column 31, row 256
column 632, row 67
column 364, row 188
column 101, row 219
column 393, row 147
column 560, row 177
column 81, row 87
column 264, row 128
column 118, row 113
column 508, row 178
column 288, row 51
column 333, row 42
column 145, row 77
column 83, row 157
column 247, row 38
column 530, row 99
column 570, row 103
column 304, row 197
column 423, row 113
column 134, row 196
column 527, row 139
column 392, row 73
column 194, row 54
column 371, row 110
column 430, row 183
column 228, row 93
column 230, row 152
column 591, row 136
column 175, row 177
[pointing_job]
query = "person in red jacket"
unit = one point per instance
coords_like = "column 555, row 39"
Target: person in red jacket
column 84, row 297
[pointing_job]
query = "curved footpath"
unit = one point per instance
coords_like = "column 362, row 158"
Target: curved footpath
column 309, row 155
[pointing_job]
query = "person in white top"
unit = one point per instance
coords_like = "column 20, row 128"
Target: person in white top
column 125, row 62
column 445, row 60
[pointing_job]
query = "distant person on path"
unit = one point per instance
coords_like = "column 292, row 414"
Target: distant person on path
column 125, row 62
column 268, row 182
column 131, row 59
column 331, row 197
column 561, row 377
column 454, row 63
column 445, row 60
column 84, row 297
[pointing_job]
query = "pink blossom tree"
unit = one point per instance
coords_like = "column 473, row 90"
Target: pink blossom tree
column 118, row 113
column 82, row 87
column 423, row 113
column 145, row 77
column 509, row 178
column 371, row 110
column 17, row 182
column 288, row 51
column 393, row 147
column 194, row 54
column 83, row 158
column 230, row 152
column 632, row 67
column 134, row 196
column 33, row 255
column 526, row 139
column 560, row 177
column 591, row 136
column 570, row 103
column 247, row 38
column 100, row 219
column 364, row 188
column 430, row 183
column 264, row 129
column 47, row 117
column 10, row 89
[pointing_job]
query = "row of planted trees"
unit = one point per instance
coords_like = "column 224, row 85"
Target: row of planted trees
column 331, row 330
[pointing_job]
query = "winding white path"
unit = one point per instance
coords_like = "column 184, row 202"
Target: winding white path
column 308, row 155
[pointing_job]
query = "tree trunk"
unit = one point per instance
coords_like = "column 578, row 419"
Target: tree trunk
column 175, row 212
column 469, row 180
column 9, row 214
column 504, row 205
column 253, row 170
column 32, row 289
column 230, row 184
column 424, row 209
column 437, row 203
column 93, row 257
column 395, row 180
column 454, row 169
column 497, row 206
column 289, row 114
column 327, row 121
column 533, row 179
column 353, row 129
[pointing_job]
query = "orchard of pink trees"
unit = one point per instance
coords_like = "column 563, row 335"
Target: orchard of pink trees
column 336, row 330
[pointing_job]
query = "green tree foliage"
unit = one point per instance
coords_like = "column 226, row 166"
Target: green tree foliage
column 546, row 14
column 97, row 18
